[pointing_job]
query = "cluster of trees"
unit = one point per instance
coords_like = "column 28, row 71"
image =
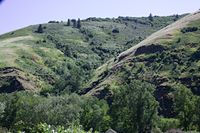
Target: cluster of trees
column 75, row 23
column 24, row 111
column 133, row 110
column 45, row 128
column 187, row 108
column 151, row 17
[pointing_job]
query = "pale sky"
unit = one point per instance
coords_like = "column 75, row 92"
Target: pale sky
column 15, row 14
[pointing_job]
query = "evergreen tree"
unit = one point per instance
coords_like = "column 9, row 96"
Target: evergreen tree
column 176, row 17
column 68, row 22
column 74, row 23
column 40, row 29
column 79, row 23
column 150, row 17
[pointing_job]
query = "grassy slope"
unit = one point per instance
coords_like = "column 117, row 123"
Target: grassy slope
column 178, row 63
column 46, row 57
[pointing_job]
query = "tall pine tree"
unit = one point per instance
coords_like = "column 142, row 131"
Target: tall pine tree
column 150, row 17
column 68, row 22
column 79, row 23
column 40, row 29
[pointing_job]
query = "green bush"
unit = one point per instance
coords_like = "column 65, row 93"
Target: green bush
column 134, row 108
column 185, row 106
column 45, row 128
column 189, row 29
column 168, row 123
column 23, row 111
column 95, row 115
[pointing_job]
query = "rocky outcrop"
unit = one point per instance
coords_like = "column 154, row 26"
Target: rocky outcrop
column 191, row 82
column 145, row 49
column 166, row 99
column 149, row 49
column 13, row 79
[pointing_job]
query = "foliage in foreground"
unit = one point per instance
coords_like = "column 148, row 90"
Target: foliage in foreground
column 45, row 128
column 24, row 111
column 134, row 108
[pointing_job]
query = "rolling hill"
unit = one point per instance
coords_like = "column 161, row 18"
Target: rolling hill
column 134, row 75
column 166, row 59
column 56, row 56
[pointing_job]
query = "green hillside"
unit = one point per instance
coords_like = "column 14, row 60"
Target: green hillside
column 132, row 75
column 167, row 60
column 54, row 59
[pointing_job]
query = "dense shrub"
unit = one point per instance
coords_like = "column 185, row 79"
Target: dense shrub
column 95, row 115
column 45, row 128
column 189, row 29
column 134, row 108
column 168, row 123
column 23, row 111
column 115, row 30
column 185, row 105
column 196, row 55
column 53, row 21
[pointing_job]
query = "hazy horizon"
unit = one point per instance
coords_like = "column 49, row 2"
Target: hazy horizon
column 21, row 13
